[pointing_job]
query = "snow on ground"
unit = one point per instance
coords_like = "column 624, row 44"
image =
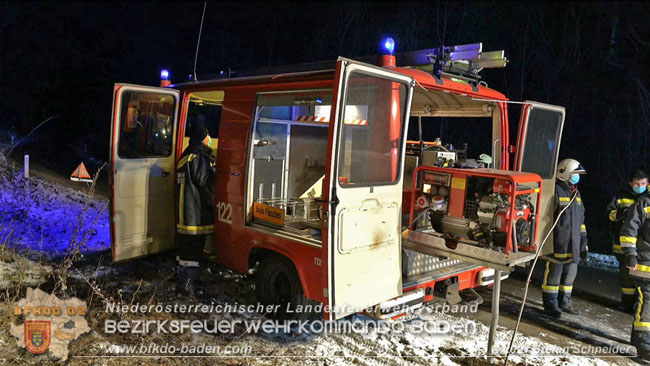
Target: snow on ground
column 601, row 261
column 43, row 216
column 21, row 271
column 408, row 344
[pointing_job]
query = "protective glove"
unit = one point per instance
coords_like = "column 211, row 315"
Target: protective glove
column 584, row 254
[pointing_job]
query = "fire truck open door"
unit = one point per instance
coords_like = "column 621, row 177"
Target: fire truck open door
column 142, row 170
column 364, row 172
column 538, row 147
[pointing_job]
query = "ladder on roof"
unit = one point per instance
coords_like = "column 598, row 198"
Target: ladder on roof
column 463, row 61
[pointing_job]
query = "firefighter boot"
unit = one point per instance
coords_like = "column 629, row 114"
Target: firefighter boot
column 642, row 347
column 565, row 303
column 550, row 305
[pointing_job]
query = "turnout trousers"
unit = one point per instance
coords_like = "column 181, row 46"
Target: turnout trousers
column 190, row 250
column 558, row 283
column 641, row 326
column 628, row 288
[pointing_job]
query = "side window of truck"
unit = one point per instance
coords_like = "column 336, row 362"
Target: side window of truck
column 204, row 109
column 147, row 123
column 540, row 151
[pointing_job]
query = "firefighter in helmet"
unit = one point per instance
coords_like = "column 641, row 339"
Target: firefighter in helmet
column 195, row 221
column 570, row 241
column 635, row 243
column 617, row 208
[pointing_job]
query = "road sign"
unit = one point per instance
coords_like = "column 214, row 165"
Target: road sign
column 81, row 174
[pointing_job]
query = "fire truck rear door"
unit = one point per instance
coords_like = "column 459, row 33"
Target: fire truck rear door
column 142, row 170
column 365, row 169
column 538, row 146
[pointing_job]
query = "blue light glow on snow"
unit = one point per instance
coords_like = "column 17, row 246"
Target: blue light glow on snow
column 45, row 217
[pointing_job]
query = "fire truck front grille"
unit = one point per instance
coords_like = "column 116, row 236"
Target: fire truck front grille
column 418, row 263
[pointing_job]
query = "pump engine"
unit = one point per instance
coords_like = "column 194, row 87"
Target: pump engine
column 485, row 207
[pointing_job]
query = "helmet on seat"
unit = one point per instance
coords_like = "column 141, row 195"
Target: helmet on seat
column 567, row 167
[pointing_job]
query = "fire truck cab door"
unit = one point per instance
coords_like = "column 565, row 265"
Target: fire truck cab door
column 538, row 146
column 370, row 114
column 142, row 170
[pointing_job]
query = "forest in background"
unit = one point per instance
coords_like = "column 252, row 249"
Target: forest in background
column 62, row 59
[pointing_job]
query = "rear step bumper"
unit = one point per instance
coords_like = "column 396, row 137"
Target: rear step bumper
column 400, row 305
column 486, row 276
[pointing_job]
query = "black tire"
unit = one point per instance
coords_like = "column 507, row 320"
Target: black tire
column 277, row 284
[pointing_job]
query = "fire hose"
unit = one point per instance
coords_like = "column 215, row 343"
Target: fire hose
column 530, row 274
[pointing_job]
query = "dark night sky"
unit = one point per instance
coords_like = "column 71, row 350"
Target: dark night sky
column 593, row 58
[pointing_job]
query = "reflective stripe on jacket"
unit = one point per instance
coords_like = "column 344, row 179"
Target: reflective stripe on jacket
column 616, row 211
column 570, row 234
column 635, row 235
column 194, row 195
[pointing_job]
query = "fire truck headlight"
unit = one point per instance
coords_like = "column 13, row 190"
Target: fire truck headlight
column 164, row 74
column 389, row 45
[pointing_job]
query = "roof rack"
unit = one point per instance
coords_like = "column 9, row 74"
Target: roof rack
column 463, row 62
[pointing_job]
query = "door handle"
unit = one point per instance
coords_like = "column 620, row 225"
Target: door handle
column 165, row 174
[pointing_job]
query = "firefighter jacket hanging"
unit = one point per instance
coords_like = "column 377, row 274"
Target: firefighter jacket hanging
column 195, row 172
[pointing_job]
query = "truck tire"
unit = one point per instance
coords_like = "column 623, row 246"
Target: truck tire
column 277, row 284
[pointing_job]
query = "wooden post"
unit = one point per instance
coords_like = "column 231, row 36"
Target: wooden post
column 26, row 175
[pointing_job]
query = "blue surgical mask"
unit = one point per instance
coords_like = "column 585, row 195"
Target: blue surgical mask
column 575, row 178
column 209, row 141
column 639, row 189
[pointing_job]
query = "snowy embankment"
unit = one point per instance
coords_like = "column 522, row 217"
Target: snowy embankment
column 42, row 216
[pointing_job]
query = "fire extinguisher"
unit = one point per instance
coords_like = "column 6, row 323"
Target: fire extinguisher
column 130, row 122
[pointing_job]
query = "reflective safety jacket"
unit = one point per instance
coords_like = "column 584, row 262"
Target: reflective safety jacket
column 616, row 210
column 635, row 235
column 570, row 234
column 194, row 195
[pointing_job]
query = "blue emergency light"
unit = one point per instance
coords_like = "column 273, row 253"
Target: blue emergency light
column 389, row 45
column 164, row 74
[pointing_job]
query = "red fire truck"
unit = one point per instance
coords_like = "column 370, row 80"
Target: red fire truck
column 318, row 189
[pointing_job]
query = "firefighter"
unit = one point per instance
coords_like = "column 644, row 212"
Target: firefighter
column 570, row 241
column 617, row 208
column 635, row 242
column 195, row 172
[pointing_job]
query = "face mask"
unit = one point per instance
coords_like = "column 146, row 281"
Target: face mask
column 575, row 178
column 209, row 141
column 639, row 189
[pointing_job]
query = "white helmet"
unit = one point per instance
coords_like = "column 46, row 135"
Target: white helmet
column 567, row 167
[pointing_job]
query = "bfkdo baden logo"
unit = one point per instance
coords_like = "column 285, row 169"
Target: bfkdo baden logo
column 37, row 335
column 49, row 323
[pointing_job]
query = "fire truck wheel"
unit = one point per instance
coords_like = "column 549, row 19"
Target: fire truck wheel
column 277, row 283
